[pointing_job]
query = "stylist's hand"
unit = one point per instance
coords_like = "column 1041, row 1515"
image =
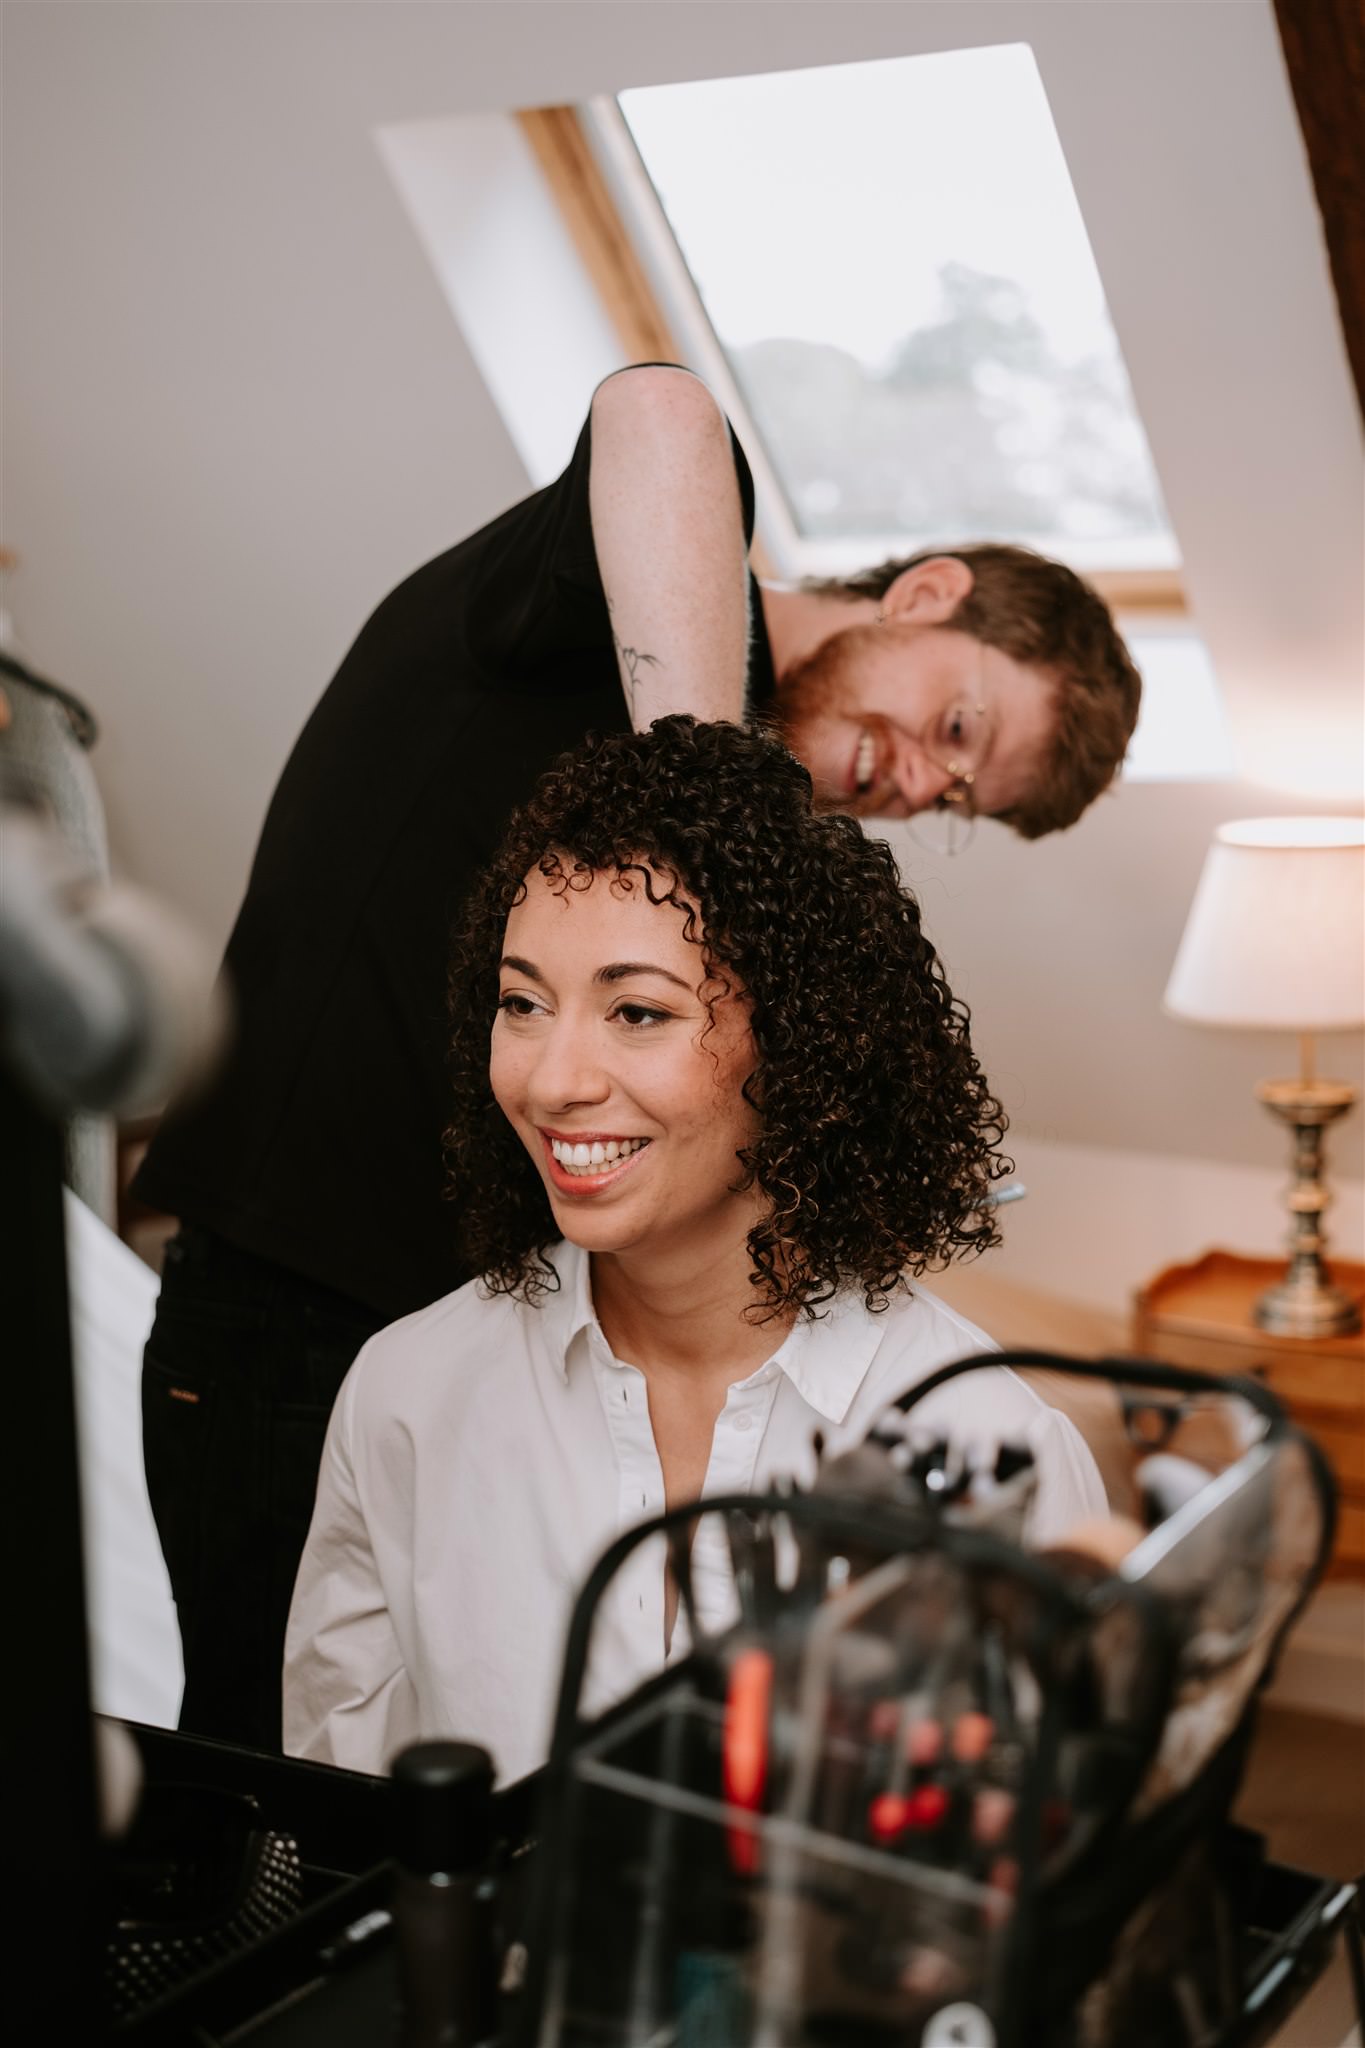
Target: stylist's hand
column 669, row 534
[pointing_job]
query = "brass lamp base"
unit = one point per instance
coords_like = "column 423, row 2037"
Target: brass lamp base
column 1306, row 1303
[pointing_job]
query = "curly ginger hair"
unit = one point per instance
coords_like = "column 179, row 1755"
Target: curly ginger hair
column 878, row 1135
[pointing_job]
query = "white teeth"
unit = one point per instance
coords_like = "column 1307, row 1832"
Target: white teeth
column 596, row 1156
column 865, row 760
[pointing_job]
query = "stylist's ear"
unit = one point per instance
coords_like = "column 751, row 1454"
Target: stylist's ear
column 928, row 593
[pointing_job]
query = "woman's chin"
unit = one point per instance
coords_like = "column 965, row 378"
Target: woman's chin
column 593, row 1232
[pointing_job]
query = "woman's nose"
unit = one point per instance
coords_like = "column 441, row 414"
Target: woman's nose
column 569, row 1070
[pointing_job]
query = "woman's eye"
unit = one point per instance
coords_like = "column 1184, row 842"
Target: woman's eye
column 639, row 1017
column 518, row 1006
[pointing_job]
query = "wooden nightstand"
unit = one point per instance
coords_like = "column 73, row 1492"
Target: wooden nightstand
column 1200, row 1315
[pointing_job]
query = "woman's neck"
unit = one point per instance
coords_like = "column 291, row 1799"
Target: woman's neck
column 680, row 1314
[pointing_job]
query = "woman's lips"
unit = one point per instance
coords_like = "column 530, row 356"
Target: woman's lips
column 586, row 1183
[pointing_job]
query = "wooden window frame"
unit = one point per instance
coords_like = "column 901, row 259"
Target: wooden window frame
column 570, row 151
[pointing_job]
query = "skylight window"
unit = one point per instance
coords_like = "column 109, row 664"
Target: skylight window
column 888, row 265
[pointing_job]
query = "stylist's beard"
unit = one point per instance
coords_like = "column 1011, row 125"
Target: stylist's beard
column 816, row 712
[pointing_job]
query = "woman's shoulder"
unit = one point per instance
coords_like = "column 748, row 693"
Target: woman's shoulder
column 472, row 1306
column 916, row 1334
column 918, row 1323
column 921, row 1333
column 448, row 1341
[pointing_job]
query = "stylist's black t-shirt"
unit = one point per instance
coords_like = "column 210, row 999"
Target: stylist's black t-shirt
column 318, row 1145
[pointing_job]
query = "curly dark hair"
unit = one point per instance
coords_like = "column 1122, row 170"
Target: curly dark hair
column 878, row 1132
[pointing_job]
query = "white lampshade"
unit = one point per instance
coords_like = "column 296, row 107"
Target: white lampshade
column 1275, row 937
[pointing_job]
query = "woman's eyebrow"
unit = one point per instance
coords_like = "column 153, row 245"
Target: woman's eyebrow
column 621, row 970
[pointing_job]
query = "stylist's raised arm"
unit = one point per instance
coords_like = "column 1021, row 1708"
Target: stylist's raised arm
column 669, row 536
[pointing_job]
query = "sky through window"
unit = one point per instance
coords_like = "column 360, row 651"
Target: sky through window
column 894, row 261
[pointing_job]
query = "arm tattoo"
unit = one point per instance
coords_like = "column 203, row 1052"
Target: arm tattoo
column 633, row 659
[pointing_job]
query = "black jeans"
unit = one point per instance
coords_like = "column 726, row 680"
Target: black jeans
column 239, row 1375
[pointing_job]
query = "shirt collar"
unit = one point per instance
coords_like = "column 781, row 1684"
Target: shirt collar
column 568, row 1311
column 826, row 1361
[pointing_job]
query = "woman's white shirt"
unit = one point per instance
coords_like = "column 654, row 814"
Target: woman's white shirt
column 482, row 1455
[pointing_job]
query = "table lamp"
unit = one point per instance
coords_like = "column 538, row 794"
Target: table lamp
column 1275, row 940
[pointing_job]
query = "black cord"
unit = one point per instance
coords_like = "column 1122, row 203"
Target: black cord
column 1140, row 1372
column 81, row 718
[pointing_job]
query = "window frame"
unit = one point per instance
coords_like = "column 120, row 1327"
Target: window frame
column 626, row 243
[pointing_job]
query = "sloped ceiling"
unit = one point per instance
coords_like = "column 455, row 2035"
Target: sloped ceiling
column 236, row 410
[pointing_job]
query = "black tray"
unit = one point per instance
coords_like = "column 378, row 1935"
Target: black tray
column 328, row 1979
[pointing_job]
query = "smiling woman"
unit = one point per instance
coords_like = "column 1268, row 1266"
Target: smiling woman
column 714, row 1107
column 870, row 1143
column 595, row 1064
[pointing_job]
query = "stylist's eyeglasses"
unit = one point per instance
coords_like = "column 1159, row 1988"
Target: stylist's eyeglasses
column 958, row 746
column 950, row 827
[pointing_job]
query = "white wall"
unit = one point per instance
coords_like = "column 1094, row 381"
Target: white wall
column 496, row 239
column 237, row 408
column 1097, row 1222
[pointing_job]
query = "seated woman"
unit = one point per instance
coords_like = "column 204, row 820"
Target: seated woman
column 731, row 1111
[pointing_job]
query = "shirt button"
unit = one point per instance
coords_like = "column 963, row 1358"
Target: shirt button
column 744, row 1421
